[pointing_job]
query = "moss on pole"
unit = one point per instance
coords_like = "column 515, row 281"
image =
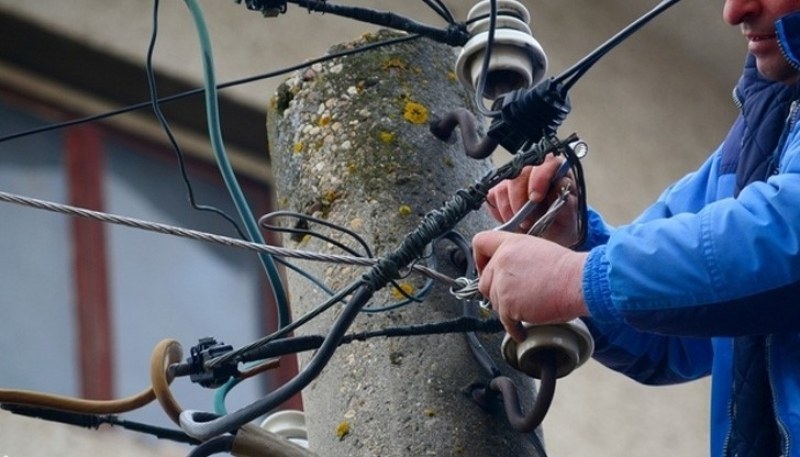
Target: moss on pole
column 349, row 143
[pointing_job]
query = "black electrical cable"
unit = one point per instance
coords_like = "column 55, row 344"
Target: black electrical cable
column 574, row 73
column 213, row 446
column 294, row 325
column 441, row 9
column 583, row 209
column 199, row 91
column 453, row 35
column 487, row 57
column 151, row 83
column 297, row 344
column 95, row 421
column 236, row 419
column 301, row 228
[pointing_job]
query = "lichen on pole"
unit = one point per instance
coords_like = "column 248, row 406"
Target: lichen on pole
column 349, row 143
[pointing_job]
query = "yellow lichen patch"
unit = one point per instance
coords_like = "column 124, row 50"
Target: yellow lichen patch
column 429, row 412
column 331, row 196
column 451, row 75
column 324, row 120
column 415, row 113
column 405, row 289
column 394, row 62
column 404, row 210
column 298, row 147
column 342, row 430
column 386, row 137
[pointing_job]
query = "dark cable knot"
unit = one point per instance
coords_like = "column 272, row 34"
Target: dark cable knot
column 381, row 273
column 457, row 35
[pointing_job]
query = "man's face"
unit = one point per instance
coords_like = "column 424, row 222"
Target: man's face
column 757, row 21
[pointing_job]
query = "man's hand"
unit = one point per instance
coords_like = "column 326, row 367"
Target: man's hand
column 529, row 279
column 535, row 184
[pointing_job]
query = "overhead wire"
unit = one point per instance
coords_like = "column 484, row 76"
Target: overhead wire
column 570, row 76
column 454, row 35
column 441, row 9
column 226, row 170
column 201, row 90
column 95, row 421
column 204, row 236
column 153, row 89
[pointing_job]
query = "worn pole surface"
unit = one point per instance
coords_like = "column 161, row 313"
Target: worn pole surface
column 350, row 144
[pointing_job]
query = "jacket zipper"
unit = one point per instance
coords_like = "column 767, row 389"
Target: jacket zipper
column 781, row 425
column 727, row 443
column 737, row 100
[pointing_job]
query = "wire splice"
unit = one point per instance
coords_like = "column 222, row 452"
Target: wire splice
column 198, row 369
column 528, row 115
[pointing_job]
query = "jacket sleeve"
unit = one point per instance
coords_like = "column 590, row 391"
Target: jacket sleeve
column 698, row 266
column 646, row 357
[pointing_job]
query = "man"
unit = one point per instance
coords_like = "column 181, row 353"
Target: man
column 706, row 280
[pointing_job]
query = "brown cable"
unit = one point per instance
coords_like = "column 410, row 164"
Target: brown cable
column 165, row 354
column 254, row 441
column 85, row 406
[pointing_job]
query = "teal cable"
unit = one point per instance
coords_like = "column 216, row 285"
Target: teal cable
column 215, row 134
column 221, row 393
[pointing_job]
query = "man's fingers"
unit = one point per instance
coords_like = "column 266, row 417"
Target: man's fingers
column 518, row 190
column 514, row 328
column 484, row 245
column 540, row 181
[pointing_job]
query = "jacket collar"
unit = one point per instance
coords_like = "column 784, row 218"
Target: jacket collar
column 788, row 30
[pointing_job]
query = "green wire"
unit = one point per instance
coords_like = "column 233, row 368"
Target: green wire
column 215, row 134
column 221, row 393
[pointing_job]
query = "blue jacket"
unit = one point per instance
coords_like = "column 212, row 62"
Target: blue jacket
column 708, row 262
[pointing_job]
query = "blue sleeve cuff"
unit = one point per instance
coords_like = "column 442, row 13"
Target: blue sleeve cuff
column 597, row 232
column 596, row 288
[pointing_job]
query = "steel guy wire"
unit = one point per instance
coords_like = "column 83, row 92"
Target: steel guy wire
column 208, row 237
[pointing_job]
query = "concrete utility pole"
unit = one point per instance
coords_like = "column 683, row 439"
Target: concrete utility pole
column 350, row 144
